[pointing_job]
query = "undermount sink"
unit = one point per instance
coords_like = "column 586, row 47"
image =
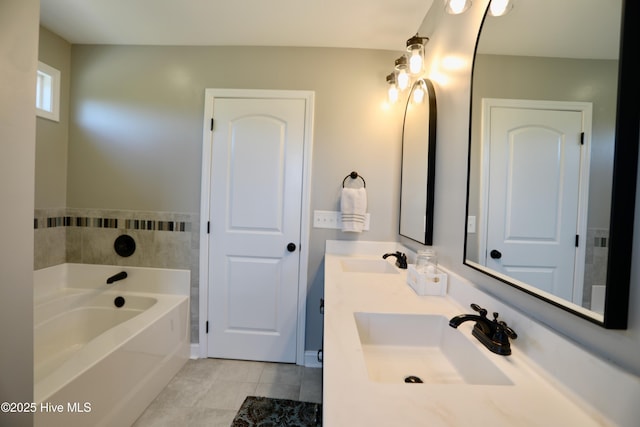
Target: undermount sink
column 368, row 266
column 398, row 348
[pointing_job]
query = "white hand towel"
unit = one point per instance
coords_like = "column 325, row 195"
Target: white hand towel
column 353, row 204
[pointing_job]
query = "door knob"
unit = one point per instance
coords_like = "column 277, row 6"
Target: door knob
column 495, row 254
column 291, row 247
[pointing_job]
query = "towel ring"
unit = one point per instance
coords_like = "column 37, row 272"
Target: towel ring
column 354, row 175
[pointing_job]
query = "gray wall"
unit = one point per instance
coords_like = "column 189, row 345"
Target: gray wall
column 135, row 134
column 52, row 142
column 137, row 114
column 18, row 64
column 454, row 36
column 52, row 137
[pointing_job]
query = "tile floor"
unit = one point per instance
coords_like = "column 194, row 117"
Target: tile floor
column 209, row 392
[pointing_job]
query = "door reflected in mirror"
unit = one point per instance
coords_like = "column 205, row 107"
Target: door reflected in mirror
column 543, row 135
column 418, row 163
column 534, row 188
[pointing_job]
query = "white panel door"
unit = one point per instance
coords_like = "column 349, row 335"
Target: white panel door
column 255, row 208
column 534, row 183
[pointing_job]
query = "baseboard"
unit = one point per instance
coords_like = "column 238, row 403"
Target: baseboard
column 195, row 351
column 310, row 356
column 311, row 359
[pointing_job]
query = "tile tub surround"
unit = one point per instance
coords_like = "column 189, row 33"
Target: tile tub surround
column 555, row 381
column 50, row 238
column 595, row 268
column 164, row 239
column 86, row 236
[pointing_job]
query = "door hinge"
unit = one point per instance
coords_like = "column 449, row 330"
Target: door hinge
column 581, row 138
column 211, row 123
column 208, row 227
column 206, row 329
column 577, row 240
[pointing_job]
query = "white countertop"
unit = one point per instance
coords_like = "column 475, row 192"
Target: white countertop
column 351, row 398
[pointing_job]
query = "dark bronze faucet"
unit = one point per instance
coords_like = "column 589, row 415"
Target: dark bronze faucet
column 401, row 258
column 119, row 276
column 493, row 334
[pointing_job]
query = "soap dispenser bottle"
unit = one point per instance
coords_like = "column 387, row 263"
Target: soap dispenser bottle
column 427, row 262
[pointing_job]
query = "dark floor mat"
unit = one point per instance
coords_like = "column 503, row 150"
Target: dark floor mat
column 265, row 411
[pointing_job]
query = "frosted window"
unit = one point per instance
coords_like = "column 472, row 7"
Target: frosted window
column 48, row 92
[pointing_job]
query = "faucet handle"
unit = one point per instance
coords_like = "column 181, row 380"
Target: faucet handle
column 507, row 330
column 503, row 328
column 401, row 259
column 482, row 311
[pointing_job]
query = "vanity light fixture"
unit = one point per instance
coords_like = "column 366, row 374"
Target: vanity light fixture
column 456, row 7
column 393, row 88
column 407, row 68
column 415, row 47
column 500, row 7
column 402, row 77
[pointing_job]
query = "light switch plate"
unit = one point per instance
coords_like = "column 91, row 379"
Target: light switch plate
column 333, row 219
column 471, row 224
column 325, row 219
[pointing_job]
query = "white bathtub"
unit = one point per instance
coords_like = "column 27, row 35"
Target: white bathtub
column 101, row 365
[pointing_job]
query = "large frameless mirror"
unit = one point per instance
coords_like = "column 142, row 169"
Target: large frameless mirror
column 553, row 154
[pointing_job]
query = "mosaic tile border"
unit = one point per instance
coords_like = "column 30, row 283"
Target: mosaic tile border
column 600, row 242
column 96, row 222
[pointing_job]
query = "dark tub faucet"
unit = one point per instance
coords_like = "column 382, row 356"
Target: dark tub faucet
column 401, row 259
column 120, row 276
column 493, row 334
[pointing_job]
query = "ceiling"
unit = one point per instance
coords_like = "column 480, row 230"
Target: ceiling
column 373, row 24
column 570, row 28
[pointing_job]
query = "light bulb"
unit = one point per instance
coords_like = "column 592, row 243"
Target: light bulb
column 456, row 7
column 415, row 62
column 499, row 7
column 403, row 79
column 415, row 47
column 418, row 94
column 393, row 94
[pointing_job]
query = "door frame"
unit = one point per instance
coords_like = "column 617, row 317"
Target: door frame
column 586, row 108
column 205, row 192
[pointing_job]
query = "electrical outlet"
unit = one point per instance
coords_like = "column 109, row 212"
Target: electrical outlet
column 471, row 224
